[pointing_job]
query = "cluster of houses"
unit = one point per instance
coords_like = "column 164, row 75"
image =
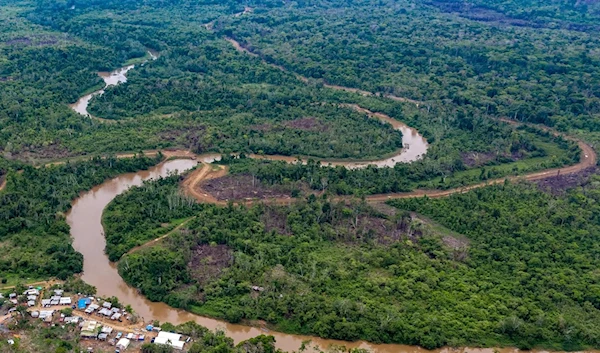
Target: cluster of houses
column 96, row 330
column 91, row 329
column 106, row 310
column 32, row 295
column 56, row 299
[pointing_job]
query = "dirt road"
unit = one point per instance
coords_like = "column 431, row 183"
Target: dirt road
column 588, row 158
column 191, row 184
column 241, row 48
column 159, row 239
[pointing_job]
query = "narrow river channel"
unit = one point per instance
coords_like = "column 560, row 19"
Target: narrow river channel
column 85, row 219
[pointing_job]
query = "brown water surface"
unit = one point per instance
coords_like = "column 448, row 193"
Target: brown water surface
column 110, row 79
column 88, row 238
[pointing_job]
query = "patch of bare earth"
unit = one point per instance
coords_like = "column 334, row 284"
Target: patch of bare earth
column 559, row 184
column 476, row 159
column 190, row 137
column 306, row 124
column 51, row 152
column 34, row 40
column 243, row 186
column 209, row 261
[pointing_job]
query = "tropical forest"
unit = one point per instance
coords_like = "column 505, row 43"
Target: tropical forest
column 331, row 176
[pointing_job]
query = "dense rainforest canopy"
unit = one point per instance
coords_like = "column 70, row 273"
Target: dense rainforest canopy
column 506, row 265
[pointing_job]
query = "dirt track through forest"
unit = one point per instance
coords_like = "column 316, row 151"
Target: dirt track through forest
column 588, row 159
column 159, row 239
column 243, row 49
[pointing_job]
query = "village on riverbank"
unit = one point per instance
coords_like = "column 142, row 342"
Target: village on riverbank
column 102, row 324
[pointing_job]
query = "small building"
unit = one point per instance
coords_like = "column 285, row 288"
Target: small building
column 71, row 320
column 12, row 295
column 30, row 303
column 14, row 301
column 89, row 329
column 115, row 316
column 35, row 314
column 32, row 291
column 105, row 312
column 123, row 344
column 170, row 339
column 65, row 301
column 107, row 305
column 45, row 302
column 46, row 313
column 32, row 297
column 58, row 292
column 103, row 336
column 107, row 330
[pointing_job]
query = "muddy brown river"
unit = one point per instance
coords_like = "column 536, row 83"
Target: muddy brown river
column 85, row 219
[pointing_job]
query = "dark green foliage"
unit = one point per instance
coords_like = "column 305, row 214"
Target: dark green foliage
column 525, row 276
column 413, row 50
column 444, row 167
column 33, row 230
column 127, row 225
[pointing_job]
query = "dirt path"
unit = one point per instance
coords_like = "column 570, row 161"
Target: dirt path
column 243, row 49
column 588, row 159
column 191, row 184
column 44, row 284
column 2, row 183
column 159, row 239
column 4, row 318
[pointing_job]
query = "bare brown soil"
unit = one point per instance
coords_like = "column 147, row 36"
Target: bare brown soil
column 208, row 261
column 476, row 159
column 307, row 124
column 559, row 184
column 2, row 182
column 50, row 152
column 588, row 159
column 242, row 187
column 275, row 219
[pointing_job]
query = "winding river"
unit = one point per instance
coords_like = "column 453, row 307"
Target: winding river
column 110, row 79
column 85, row 219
